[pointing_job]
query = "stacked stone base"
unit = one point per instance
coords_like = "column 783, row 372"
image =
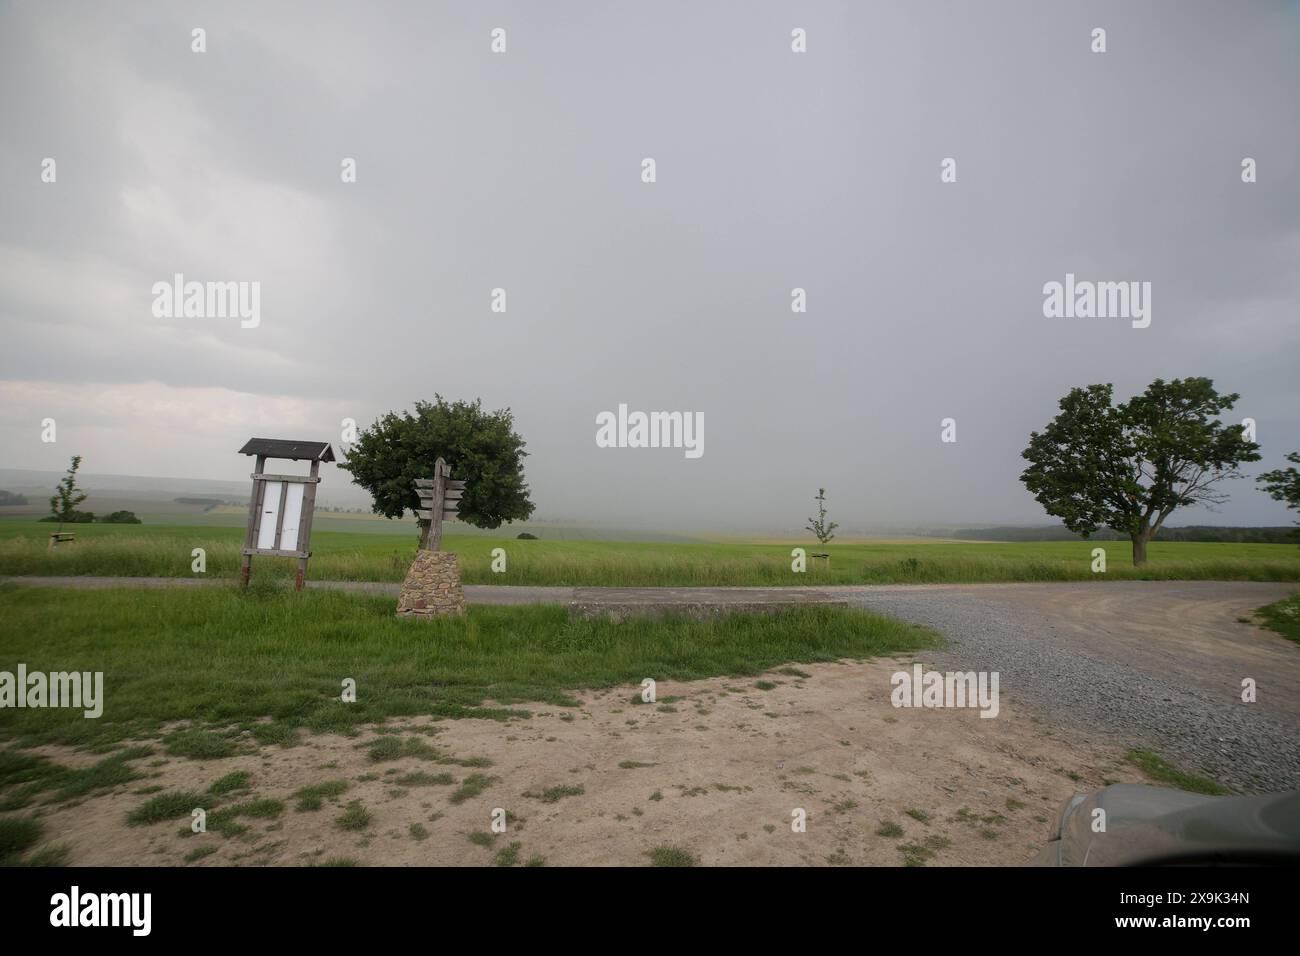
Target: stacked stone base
column 432, row 586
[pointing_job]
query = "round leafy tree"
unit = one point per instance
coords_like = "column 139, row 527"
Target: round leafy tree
column 1128, row 466
column 480, row 447
column 1283, row 484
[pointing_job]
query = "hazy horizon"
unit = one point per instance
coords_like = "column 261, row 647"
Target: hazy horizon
column 522, row 171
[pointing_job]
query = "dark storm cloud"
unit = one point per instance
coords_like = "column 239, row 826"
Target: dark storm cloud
column 775, row 171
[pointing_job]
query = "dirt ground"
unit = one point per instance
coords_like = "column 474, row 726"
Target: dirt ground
column 725, row 766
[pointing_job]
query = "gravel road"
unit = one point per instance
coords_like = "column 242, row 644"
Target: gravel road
column 1150, row 664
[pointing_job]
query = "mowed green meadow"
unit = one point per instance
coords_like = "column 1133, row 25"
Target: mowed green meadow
column 228, row 659
column 166, row 550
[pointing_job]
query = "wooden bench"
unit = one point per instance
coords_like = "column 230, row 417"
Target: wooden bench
column 57, row 536
column 824, row 555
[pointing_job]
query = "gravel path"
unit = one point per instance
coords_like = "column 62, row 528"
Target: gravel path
column 1149, row 664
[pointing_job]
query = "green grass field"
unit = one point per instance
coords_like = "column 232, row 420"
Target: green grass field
column 227, row 659
column 165, row 551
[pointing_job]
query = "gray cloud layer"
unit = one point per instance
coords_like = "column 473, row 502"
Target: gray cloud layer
column 522, row 171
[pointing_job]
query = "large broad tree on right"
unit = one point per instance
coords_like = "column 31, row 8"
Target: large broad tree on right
column 1129, row 466
column 1283, row 484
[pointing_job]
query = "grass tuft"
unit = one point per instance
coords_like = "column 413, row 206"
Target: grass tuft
column 313, row 797
column 354, row 817
column 558, row 793
column 1161, row 771
column 237, row 780
column 166, row 806
column 471, row 786
column 199, row 744
column 668, row 855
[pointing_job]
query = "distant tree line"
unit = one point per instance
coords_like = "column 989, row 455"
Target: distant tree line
column 10, row 498
column 207, row 504
column 1283, row 535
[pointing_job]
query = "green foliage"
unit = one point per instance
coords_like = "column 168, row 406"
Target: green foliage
column 199, row 744
column 354, row 817
column 559, row 792
column 18, row 834
column 8, row 498
column 1283, row 484
column 1129, row 466
column 508, row 856
column 314, row 797
column 231, row 782
column 121, row 517
column 166, row 806
column 1283, row 617
column 25, row 776
column 471, row 787
column 66, row 497
column 1192, row 532
column 818, row 526
column 481, row 448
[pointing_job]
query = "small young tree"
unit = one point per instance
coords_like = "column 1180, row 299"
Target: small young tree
column 66, row 497
column 1128, row 466
column 1283, row 484
column 819, row 526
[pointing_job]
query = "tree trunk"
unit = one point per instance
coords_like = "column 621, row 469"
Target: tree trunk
column 1140, row 548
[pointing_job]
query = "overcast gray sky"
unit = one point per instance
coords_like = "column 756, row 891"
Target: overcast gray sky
column 523, row 170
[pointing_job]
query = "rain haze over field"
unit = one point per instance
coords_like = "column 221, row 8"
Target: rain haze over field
column 523, row 171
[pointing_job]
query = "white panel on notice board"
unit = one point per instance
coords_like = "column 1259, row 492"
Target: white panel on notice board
column 270, row 515
column 292, row 515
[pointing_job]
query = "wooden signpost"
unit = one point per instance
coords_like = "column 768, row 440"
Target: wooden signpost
column 432, row 587
column 439, row 499
column 281, row 507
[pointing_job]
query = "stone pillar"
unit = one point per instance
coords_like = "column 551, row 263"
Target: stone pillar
column 432, row 586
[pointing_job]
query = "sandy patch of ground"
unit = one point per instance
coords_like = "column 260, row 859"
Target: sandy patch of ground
column 728, row 761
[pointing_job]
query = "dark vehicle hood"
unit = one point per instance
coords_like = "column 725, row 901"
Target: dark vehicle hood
column 1153, row 825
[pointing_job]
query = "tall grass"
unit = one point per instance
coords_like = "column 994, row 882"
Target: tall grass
column 166, row 551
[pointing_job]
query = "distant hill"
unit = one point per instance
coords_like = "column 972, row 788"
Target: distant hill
column 165, row 493
column 207, row 504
